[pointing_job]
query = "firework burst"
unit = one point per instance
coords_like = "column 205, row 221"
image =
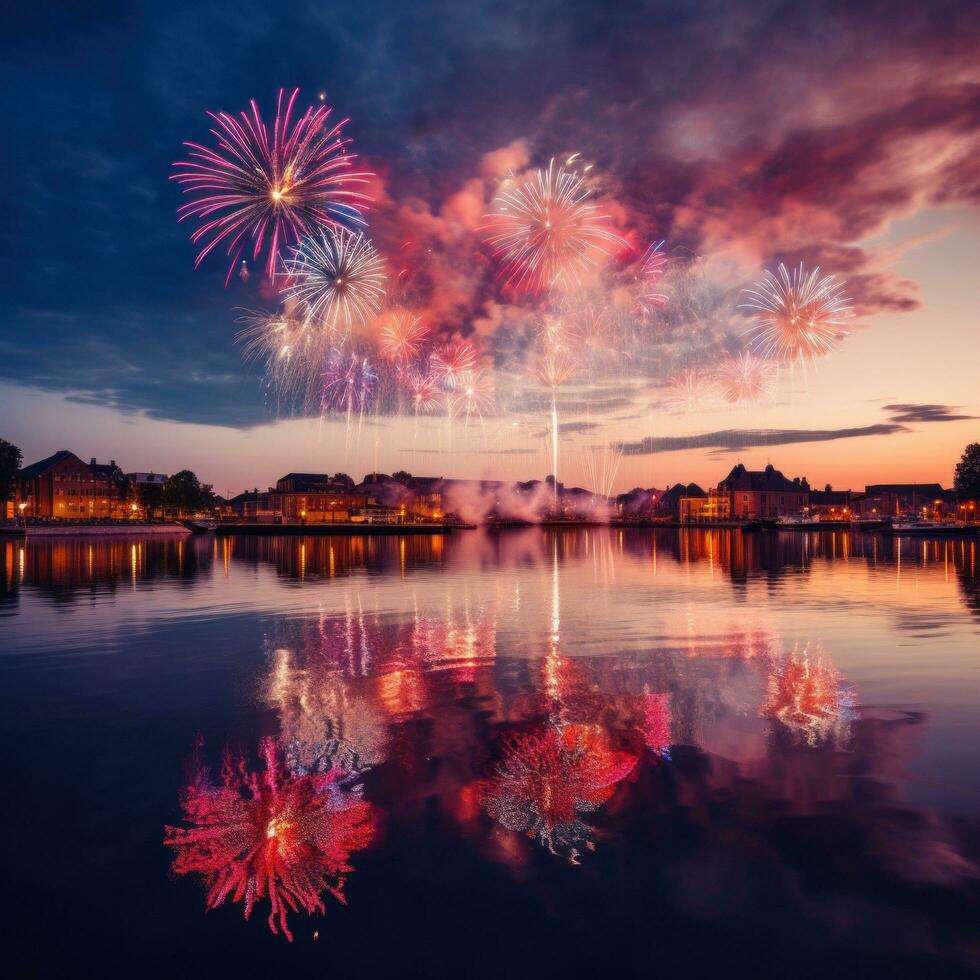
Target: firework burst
column 798, row 315
column 423, row 389
column 348, row 382
column 402, row 336
column 473, row 395
column 269, row 835
column 744, row 379
column 451, row 360
column 808, row 698
column 547, row 779
column 290, row 350
column 687, row 391
column 256, row 192
column 545, row 229
column 337, row 277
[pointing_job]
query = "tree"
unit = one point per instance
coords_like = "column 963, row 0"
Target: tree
column 343, row 480
column 184, row 493
column 10, row 460
column 967, row 479
column 400, row 476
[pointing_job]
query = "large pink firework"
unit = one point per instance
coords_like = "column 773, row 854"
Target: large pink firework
column 257, row 191
column 546, row 230
column 451, row 360
column 798, row 315
column 270, row 835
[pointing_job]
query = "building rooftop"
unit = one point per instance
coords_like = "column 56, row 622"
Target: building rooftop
column 769, row 479
column 43, row 465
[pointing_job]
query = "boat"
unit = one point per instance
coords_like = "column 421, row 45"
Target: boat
column 931, row 528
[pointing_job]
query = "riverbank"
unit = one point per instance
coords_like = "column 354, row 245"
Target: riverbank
column 90, row 530
column 319, row 530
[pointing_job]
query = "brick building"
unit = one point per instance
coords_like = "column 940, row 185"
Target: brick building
column 64, row 486
column 763, row 494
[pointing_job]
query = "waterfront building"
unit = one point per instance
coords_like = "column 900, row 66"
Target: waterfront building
column 64, row 486
column 832, row 505
column 763, row 494
column 928, row 500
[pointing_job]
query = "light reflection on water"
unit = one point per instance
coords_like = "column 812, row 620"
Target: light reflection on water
column 691, row 706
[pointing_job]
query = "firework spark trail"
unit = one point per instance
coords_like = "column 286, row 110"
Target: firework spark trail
column 555, row 364
column 603, row 467
column 338, row 278
column 268, row 192
column 744, row 379
column 545, row 229
column 348, row 386
column 651, row 271
column 799, row 315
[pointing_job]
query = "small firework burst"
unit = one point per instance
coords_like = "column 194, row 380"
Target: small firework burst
column 473, row 395
column 337, row 277
column 546, row 230
column 798, row 315
column 425, row 394
column 744, row 379
column 255, row 195
column 270, row 835
column 402, row 336
column 687, row 391
column 348, row 382
column 556, row 357
column 451, row 360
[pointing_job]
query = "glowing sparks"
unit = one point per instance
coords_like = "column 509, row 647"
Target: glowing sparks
column 402, row 336
column 808, row 698
column 451, row 360
column 799, row 315
column 473, row 395
column 290, row 350
column 270, row 836
column 547, row 779
column 744, row 379
column 348, row 382
column 687, row 391
column 424, row 391
column 337, row 277
column 255, row 195
column 651, row 271
column 546, row 230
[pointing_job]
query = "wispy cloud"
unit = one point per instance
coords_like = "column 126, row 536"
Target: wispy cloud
column 733, row 440
column 925, row 413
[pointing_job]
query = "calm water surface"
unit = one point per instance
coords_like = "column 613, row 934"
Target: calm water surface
column 530, row 753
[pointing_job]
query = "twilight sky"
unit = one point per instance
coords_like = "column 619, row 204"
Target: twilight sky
column 842, row 134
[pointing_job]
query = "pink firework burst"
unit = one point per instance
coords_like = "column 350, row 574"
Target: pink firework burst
column 423, row 389
column 451, row 360
column 256, row 192
column 744, row 379
column 270, row 835
column 799, row 315
column 473, row 395
column 548, row 778
column 687, row 391
column 545, row 229
column 402, row 336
